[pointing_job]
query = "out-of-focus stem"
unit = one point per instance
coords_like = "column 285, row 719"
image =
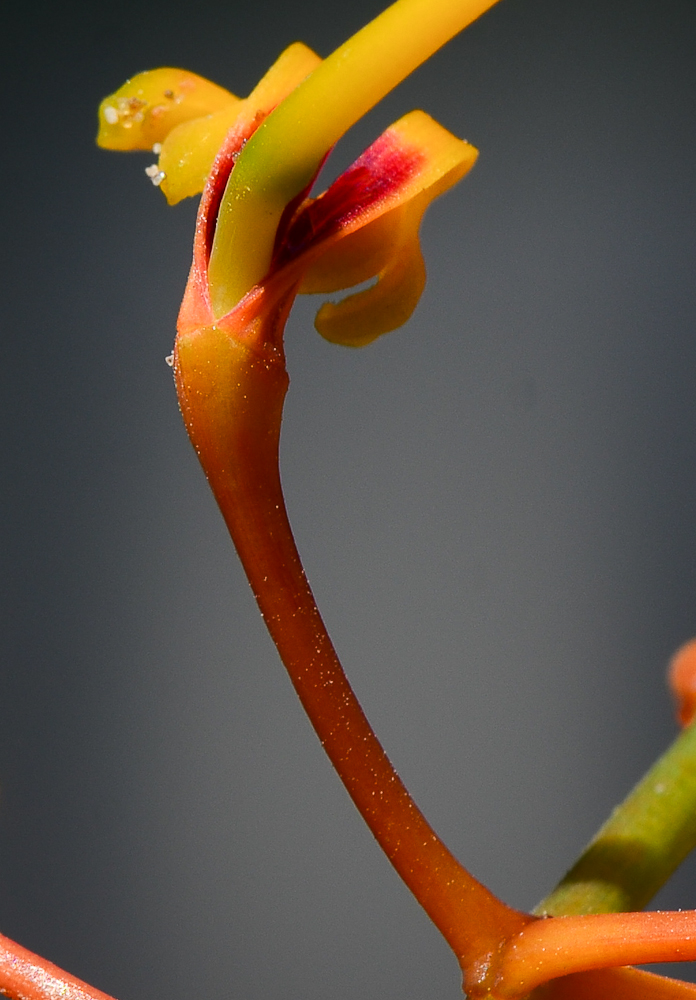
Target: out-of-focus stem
column 231, row 391
column 26, row 976
column 283, row 155
column 644, row 840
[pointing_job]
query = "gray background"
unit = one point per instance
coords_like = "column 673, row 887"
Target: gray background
column 496, row 508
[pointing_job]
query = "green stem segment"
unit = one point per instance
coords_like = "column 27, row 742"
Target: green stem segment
column 642, row 843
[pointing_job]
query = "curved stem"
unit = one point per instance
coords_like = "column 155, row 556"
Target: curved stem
column 231, row 391
column 624, row 983
column 548, row 949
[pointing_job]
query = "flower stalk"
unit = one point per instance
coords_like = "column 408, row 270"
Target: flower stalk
column 260, row 240
column 236, row 439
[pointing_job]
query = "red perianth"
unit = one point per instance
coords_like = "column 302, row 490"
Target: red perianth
column 196, row 309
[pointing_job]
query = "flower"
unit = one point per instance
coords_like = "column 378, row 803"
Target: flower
column 365, row 226
column 260, row 239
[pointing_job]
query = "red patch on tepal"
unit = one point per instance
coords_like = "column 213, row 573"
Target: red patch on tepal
column 374, row 178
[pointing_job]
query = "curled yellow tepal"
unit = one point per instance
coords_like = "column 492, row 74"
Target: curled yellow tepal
column 148, row 106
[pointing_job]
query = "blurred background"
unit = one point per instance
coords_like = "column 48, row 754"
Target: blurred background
column 496, row 506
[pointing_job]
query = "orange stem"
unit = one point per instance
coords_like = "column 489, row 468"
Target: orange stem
column 26, row 976
column 615, row 984
column 681, row 678
column 559, row 946
column 231, row 381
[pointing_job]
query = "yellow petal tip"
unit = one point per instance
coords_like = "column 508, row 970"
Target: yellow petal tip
column 147, row 107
